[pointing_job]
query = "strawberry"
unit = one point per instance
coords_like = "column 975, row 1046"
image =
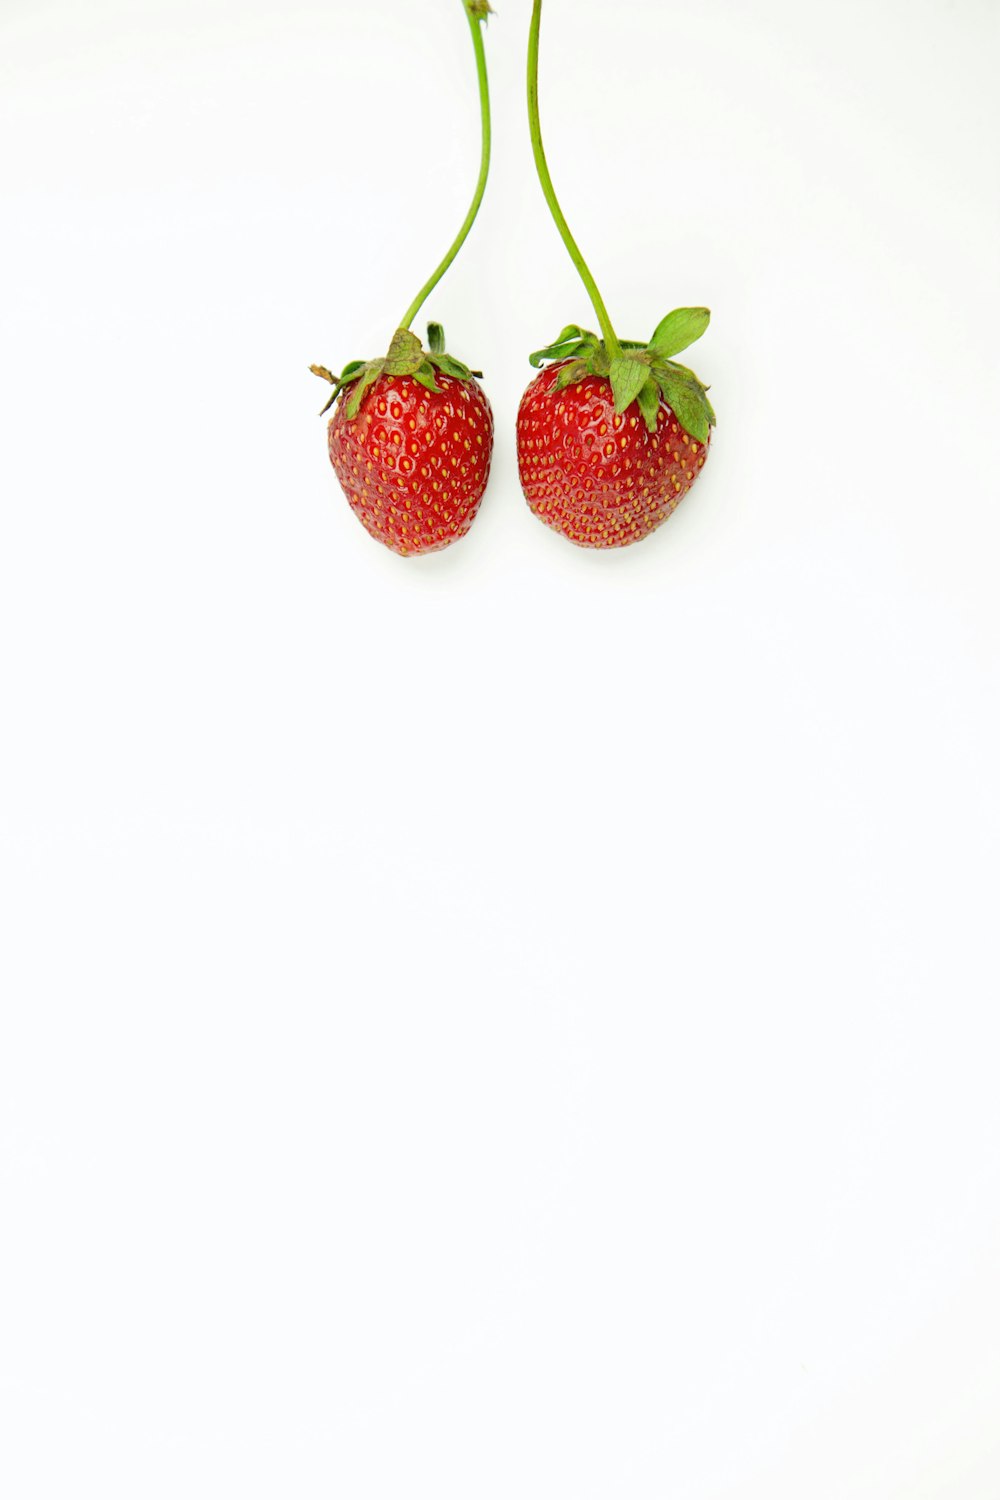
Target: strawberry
column 412, row 451
column 611, row 436
column 412, row 435
column 603, row 473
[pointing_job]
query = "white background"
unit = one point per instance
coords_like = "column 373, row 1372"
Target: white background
column 520, row 1022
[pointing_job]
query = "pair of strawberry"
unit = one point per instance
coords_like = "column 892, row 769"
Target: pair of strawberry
column 610, row 435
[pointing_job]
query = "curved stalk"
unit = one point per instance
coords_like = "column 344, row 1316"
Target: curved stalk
column 611, row 341
column 476, row 12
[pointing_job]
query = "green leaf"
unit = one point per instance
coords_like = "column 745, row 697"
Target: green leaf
column 571, row 341
column 405, row 353
column 671, row 364
column 425, row 376
column 350, row 372
column 367, row 377
column 679, row 329
column 628, row 376
column 692, row 379
column 685, row 395
column 649, row 401
column 449, row 366
column 571, row 373
column 435, row 338
column 554, row 351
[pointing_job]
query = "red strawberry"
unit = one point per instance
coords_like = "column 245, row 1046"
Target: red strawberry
column 601, row 478
column 614, row 433
column 414, row 464
column 411, row 443
column 412, row 436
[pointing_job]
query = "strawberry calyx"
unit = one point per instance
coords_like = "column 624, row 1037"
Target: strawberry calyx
column 641, row 372
column 406, row 356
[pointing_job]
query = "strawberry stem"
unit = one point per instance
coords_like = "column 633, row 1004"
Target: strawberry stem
column 611, row 342
column 476, row 12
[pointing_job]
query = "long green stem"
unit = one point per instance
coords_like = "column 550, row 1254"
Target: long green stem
column 476, row 12
column 612, row 345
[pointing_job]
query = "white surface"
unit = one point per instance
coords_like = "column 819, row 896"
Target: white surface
column 519, row 1022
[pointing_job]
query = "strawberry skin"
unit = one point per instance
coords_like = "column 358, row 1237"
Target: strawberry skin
column 601, row 479
column 414, row 463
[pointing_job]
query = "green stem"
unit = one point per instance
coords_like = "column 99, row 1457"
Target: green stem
column 475, row 12
column 611, row 342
